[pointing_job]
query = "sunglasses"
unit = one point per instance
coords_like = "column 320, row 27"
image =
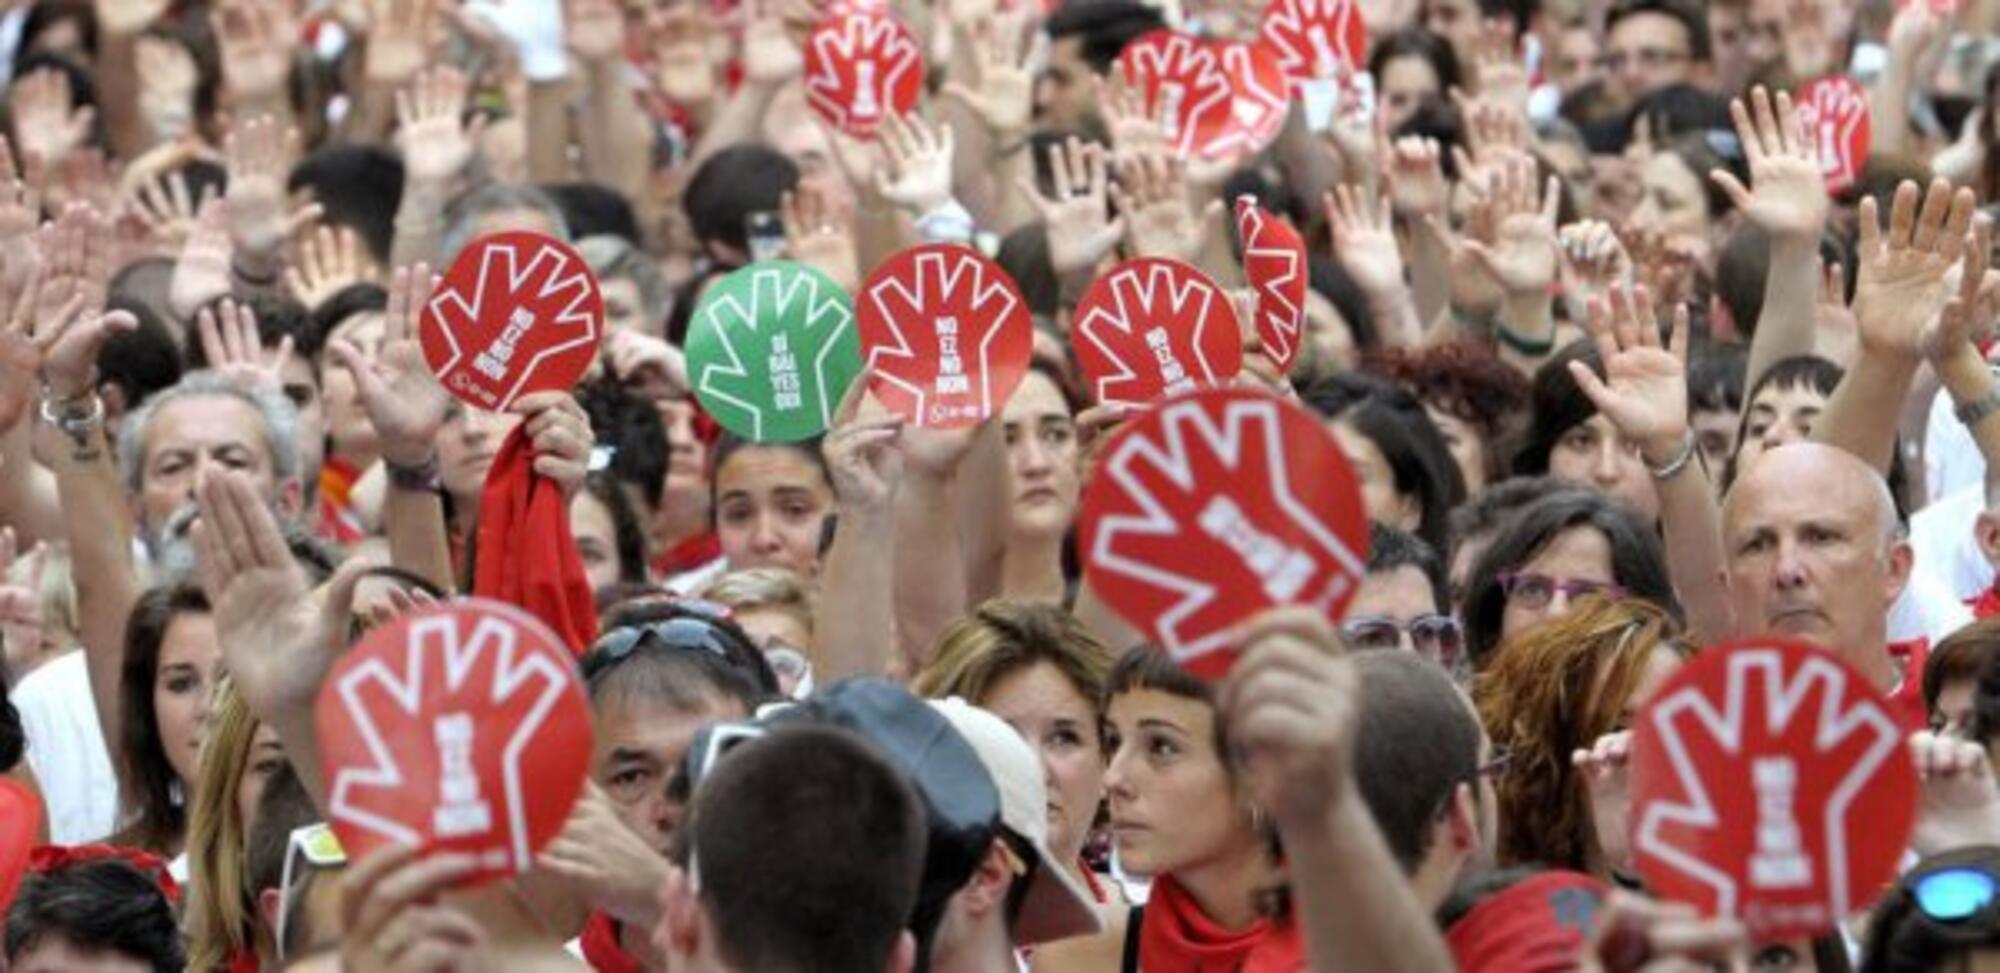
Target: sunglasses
column 698, row 630
column 317, row 845
column 1954, row 894
column 1535, row 591
column 1436, row 637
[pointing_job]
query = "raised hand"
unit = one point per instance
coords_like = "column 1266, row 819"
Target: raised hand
column 1606, row 772
column 1413, row 172
column 1003, row 97
column 1134, row 133
column 166, row 103
column 167, row 210
column 1522, row 255
column 329, row 261
column 21, row 622
column 1293, row 704
column 202, row 273
column 1495, row 133
column 815, row 238
column 1633, row 933
column 436, row 142
column 594, row 30
column 1594, row 260
column 405, row 403
column 400, row 36
column 1501, row 74
column 1972, row 302
column 1959, row 803
column 20, row 217
column 1901, row 281
column 636, row 358
column 255, row 40
column 561, row 435
column 1152, row 195
column 864, row 456
column 394, row 917
column 1364, row 240
column 771, row 54
column 127, row 17
column 232, row 346
column 1790, row 195
column 71, row 323
column 48, row 123
column 1644, row 388
column 610, row 866
column 260, row 154
column 916, row 174
column 679, row 39
column 1080, row 227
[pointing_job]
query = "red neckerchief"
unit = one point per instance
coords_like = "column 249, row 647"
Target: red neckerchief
column 339, row 522
column 1177, row 936
column 1987, row 604
column 243, row 961
column 688, row 555
column 526, row 555
column 1908, row 696
column 55, row 858
column 1090, row 878
column 601, row 948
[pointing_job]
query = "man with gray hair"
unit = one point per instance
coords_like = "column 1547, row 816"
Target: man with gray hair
column 1821, row 563
column 206, row 420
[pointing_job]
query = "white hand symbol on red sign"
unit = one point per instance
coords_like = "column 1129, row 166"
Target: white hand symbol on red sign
column 1835, row 115
column 947, row 333
column 1201, row 515
column 462, row 730
column 1154, row 327
column 1274, row 261
column 861, row 68
column 1260, row 99
column 1775, row 787
column 1316, row 38
column 1186, row 88
column 520, row 314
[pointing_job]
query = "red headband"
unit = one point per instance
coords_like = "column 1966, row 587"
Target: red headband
column 55, row 858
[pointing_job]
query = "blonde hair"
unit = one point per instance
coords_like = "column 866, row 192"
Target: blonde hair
column 222, row 909
column 1003, row 637
column 766, row 589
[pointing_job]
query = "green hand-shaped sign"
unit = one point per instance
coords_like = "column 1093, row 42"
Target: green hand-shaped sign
column 772, row 349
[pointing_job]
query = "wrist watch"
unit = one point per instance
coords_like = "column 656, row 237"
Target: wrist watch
column 1971, row 413
column 74, row 422
column 421, row 478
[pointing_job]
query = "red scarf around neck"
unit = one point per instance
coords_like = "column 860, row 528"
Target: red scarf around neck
column 1177, row 936
column 526, row 555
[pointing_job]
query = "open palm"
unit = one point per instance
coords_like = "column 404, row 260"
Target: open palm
column 1788, row 194
column 1901, row 284
column 1644, row 388
column 403, row 398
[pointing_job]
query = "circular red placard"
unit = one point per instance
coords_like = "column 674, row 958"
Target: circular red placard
column 862, row 67
column 20, row 827
column 1316, row 38
column 517, row 313
column 1274, row 262
column 1213, row 507
column 1260, row 97
column 1182, row 82
column 1771, row 782
column 459, row 727
column 1154, row 327
column 1834, row 111
column 948, row 333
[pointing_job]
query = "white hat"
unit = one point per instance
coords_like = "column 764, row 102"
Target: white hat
column 1056, row 905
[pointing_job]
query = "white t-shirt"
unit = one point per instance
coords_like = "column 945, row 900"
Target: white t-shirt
column 1946, row 549
column 66, row 749
column 1926, row 609
column 1951, row 459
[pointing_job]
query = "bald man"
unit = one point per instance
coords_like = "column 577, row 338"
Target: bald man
column 1812, row 552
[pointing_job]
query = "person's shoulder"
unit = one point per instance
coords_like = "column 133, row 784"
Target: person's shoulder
column 54, row 680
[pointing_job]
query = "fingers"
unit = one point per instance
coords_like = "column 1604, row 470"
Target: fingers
column 850, row 399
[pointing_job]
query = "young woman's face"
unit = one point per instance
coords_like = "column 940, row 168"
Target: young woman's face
column 1592, row 454
column 1173, row 805
column 1405, row 83
column 1061, row 724
column 1673, row 200
column 596, row 540
column 1778, row 416
column 466, row 444
column 1041, row 457
column 1579, row 554
column 1378, row 481
column 1467, row 446
column 183, row 688
column 771, row 502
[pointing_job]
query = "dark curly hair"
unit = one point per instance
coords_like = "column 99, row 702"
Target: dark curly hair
column 1462, row 379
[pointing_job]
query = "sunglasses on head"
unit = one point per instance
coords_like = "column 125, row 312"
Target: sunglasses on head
column 1954, row 894
column 318, row 846
column 697, row 626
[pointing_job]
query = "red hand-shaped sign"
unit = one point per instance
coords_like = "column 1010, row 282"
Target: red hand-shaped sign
column 1184, row 86
column 1834, row 111
column 460, row 727
column 948, row 333
column 1274, row 260
column 1771, row 782
column 20, row 823
column 1316, row 39
column 1260, row 97
column 862, row 67
column 517, row 313
column 1213, row 507
column 1154, row 327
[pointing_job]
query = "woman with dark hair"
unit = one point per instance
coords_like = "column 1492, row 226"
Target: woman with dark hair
column 172, row 661
column 1681, row 209
column 1557, row 550
column 1411, row 66
column 1044, row 485
column 770, row 503
column 1182, row 816
column 609, row 538
column 1472, row 397
column 1407, row 476
column 1569, row 439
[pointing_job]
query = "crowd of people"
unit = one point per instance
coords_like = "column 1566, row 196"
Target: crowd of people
column 1628, row 355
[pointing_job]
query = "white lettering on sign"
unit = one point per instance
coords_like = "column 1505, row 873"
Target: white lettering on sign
column 1326, row 64
column 492, row 362
column 865, row 105
column 1282, row 569
column 786, row 393
column 1780, row 861
column 1171, row 96
column 1171, row 371
column 460, row 810
column 951, row 379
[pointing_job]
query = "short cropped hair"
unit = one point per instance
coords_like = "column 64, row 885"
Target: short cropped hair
column 107, row 905
column 281, row 424
column 1103, row 26
column 1390, row 548
column 466, row 211
column 807, row 849
column 1418, row 742
column 612, row 256
column 1692, row 18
